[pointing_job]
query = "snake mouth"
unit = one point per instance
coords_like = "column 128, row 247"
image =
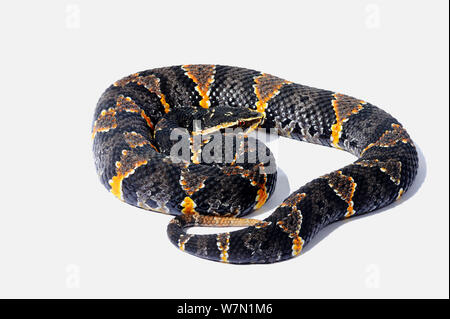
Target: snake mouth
column 247, row 125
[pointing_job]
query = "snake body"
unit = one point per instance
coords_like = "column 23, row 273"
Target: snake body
column 136, row 115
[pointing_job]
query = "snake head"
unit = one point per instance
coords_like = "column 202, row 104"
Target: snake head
column 217, row 119
column 201, row 121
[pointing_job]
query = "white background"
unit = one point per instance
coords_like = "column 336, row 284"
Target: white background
column 63, row 235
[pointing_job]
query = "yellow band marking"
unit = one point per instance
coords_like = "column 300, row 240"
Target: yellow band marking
column 116, row 181
column 390, row 138
column 266, row 87
column 292, row 200
column 262, row 194
column 297, row 241
column 344, row 186
column 150, row 82
column 400, row 194
column 343, row 115
column 188, row 206
column 107, row 118
column 147, row 119
column 223, row 243
column 105, row 122
column 297, row 245
column 203, row 76
column 183, row 241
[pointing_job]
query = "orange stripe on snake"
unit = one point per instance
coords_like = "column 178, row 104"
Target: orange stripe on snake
column 105, row 122
column 391, row 138
column 190, row 182
column 203, row 76
column 391, row 167
column 129, row 162
column 150, row 82
column 266, row 87
column 134, row 140
column 223, row 243
column 292, row 223
column 107, row 119
column 188, row 206
column 183, row 240
column 344, row 106
column 344, row 186
column 250, row 174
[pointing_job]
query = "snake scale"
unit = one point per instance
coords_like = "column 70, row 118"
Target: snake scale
column 132, row 145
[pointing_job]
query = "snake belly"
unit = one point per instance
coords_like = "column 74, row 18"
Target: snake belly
column 132, row 166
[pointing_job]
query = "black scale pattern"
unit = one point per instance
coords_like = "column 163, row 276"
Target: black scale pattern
column 297, row 111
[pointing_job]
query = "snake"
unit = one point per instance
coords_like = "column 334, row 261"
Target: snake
column 141, row 161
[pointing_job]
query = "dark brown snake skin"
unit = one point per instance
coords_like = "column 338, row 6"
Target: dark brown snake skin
column 135, row 116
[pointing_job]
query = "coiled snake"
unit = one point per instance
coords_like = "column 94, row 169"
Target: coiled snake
column 133, row 150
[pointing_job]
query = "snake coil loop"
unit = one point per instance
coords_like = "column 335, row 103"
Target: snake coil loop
column 132, row 135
